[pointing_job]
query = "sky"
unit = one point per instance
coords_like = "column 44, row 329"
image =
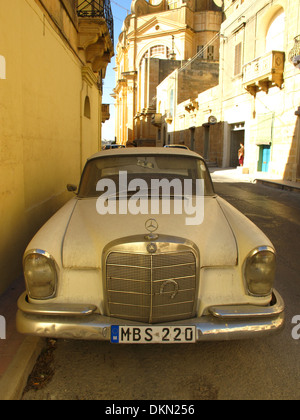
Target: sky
column 120, row 9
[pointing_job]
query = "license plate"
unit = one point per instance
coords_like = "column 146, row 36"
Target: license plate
column 152, row 335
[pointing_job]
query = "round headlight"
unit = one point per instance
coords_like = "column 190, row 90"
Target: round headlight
column 40, row 275
column 259, row 271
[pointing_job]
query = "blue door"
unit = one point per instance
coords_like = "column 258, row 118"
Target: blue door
column 266, row 157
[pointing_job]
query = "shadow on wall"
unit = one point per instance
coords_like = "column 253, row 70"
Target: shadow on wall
column 292, row 167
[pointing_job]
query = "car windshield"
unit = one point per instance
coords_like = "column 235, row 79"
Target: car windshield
column 143, row 167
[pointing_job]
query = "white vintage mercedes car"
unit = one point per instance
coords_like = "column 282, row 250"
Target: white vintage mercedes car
column 146, row 252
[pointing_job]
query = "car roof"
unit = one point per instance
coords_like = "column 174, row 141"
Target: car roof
column 137, row 151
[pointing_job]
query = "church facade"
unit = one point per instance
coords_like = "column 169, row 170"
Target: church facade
column 157, row 38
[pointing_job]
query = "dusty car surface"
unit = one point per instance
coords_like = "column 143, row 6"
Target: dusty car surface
column 148, row 253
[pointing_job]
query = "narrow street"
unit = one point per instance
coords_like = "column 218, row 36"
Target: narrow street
column 259, row 369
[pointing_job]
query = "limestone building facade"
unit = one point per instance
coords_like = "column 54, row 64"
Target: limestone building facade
column 158, row 37
column 256, row 101
column 260, row 86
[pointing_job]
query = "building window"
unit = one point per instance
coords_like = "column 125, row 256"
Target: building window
column 200, row 51
column 275, row 34
column 158, row 51
column 210, row 52
column 87, row 107
column 173, row 4
column 2, row 67
column 238, row 59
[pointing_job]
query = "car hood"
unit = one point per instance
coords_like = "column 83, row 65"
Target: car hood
column 88, row 233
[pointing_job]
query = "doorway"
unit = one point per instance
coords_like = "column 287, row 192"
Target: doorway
column 237, row 138
column 264, row 158
column 206, row 141
column 192, row 143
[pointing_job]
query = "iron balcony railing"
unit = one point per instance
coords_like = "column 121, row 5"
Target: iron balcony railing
column 97, row 9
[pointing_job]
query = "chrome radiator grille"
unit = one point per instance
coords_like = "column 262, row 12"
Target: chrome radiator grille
column 151, row 288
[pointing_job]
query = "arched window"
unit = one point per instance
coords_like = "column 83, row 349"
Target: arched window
column 2, row 67
column 87, row 107
column 158, row 51
column 275, row 33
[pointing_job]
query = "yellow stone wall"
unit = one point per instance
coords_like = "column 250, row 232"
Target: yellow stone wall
column 44, row 136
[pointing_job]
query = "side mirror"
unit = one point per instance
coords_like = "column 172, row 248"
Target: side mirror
column 72, row 188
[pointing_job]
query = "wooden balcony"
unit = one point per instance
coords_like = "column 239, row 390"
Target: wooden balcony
column 264, row 72
column 105, row 113
column 157, row 120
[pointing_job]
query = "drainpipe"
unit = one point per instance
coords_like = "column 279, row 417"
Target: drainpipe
column 100, row 120
column 297, row 136
column 134, row 80
column 81, row 128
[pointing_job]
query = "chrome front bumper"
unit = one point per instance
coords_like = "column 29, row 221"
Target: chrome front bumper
column 81, row 322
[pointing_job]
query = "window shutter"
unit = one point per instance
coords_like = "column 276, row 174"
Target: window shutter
column 238, row 59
